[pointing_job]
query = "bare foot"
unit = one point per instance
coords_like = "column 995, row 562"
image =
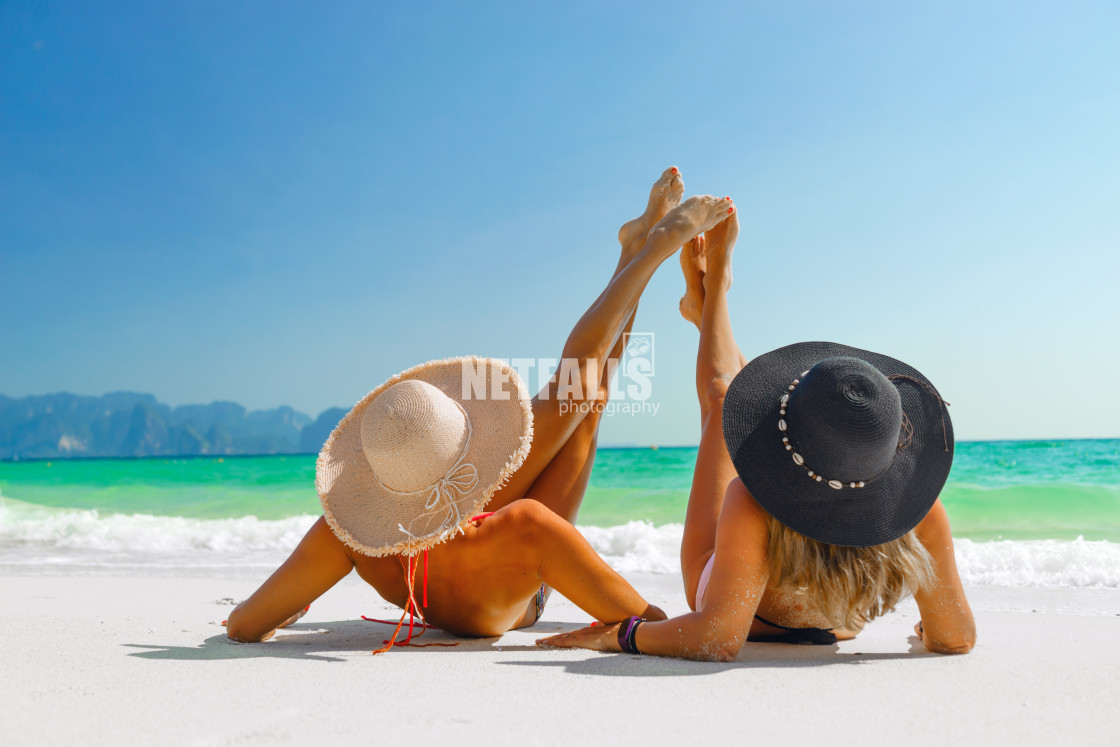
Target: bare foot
column 693, row 264
column 664, row 196
column 720, row 244
column 684, row 222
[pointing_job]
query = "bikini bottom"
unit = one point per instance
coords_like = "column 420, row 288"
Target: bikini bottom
column 814, row 636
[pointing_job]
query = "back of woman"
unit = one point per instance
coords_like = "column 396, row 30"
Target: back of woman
column 814, row 505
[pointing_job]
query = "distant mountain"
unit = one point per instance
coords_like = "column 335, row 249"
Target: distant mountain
column 128, row 424
column 313, row 436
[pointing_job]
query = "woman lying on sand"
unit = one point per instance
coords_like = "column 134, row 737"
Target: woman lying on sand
column 414, row 462
column 814, row 503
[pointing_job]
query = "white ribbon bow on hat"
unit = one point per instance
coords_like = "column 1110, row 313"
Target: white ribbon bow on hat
column 459, row 480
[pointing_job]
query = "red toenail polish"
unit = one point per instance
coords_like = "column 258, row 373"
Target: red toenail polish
column 730, row 211
column 674, row 169
column 727, row 198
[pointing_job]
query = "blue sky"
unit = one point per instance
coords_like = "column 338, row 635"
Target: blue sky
column 277, row 204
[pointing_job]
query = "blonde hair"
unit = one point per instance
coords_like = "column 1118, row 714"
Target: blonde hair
column 848, row 585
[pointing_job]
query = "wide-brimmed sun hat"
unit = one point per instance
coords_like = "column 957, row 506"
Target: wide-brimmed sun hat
column 843, row 445
column 419, row 455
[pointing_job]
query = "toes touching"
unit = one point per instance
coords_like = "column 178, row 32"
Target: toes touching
column 692, row 217
column 705, row 225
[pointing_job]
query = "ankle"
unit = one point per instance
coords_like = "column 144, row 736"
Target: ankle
column 716, row 280
column 658, row 245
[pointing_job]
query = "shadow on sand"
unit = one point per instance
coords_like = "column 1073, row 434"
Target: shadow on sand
column 343, row 640
column 753, row 656
column 329, row 641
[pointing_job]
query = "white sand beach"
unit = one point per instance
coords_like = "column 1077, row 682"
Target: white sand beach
column 143, row 660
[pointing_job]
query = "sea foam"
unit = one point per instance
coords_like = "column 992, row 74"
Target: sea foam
column 34, row 538
column 640, row 546
column 1069, row 563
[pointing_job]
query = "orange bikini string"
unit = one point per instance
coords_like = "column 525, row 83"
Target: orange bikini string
column 390, row 622
column 413, row 609
column 411, row 598
column 409, row 612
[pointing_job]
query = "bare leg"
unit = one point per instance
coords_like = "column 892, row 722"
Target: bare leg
column 559, row 555
column 718, row 360
column 320, row 560
column 694, row 265
column 602, row 326
column 562, row 484
column 519, row 547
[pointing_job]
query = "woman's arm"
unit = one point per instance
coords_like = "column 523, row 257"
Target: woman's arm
column 718, row 631
column 946, row 626
column 317, row 564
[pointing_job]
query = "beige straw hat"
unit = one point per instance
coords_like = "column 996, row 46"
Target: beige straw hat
column 422, row 453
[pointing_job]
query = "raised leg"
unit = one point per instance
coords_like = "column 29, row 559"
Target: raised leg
column 601, row 327
column 694, row 263
column 594, row 337
column 718, row 360
column 563, row 483
column 694, row 266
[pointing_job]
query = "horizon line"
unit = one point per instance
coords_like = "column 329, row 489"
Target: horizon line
column 611, row 447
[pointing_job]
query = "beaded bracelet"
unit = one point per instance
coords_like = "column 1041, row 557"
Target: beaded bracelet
column 626, row 631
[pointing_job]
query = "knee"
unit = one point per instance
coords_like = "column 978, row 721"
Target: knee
column 586, row 434
column 716, row 392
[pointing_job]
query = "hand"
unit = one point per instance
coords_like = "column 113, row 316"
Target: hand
column 596, row 638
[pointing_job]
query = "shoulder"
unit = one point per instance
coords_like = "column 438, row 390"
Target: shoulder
column 934, row 528
column 741, row 499
column 741, row 512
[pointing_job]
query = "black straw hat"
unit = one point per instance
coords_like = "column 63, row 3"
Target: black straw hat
column 843, row 445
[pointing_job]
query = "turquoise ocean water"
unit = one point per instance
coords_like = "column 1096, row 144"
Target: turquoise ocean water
column 1013, row 505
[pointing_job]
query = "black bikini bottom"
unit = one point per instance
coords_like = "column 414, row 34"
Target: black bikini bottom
column 814, row 636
